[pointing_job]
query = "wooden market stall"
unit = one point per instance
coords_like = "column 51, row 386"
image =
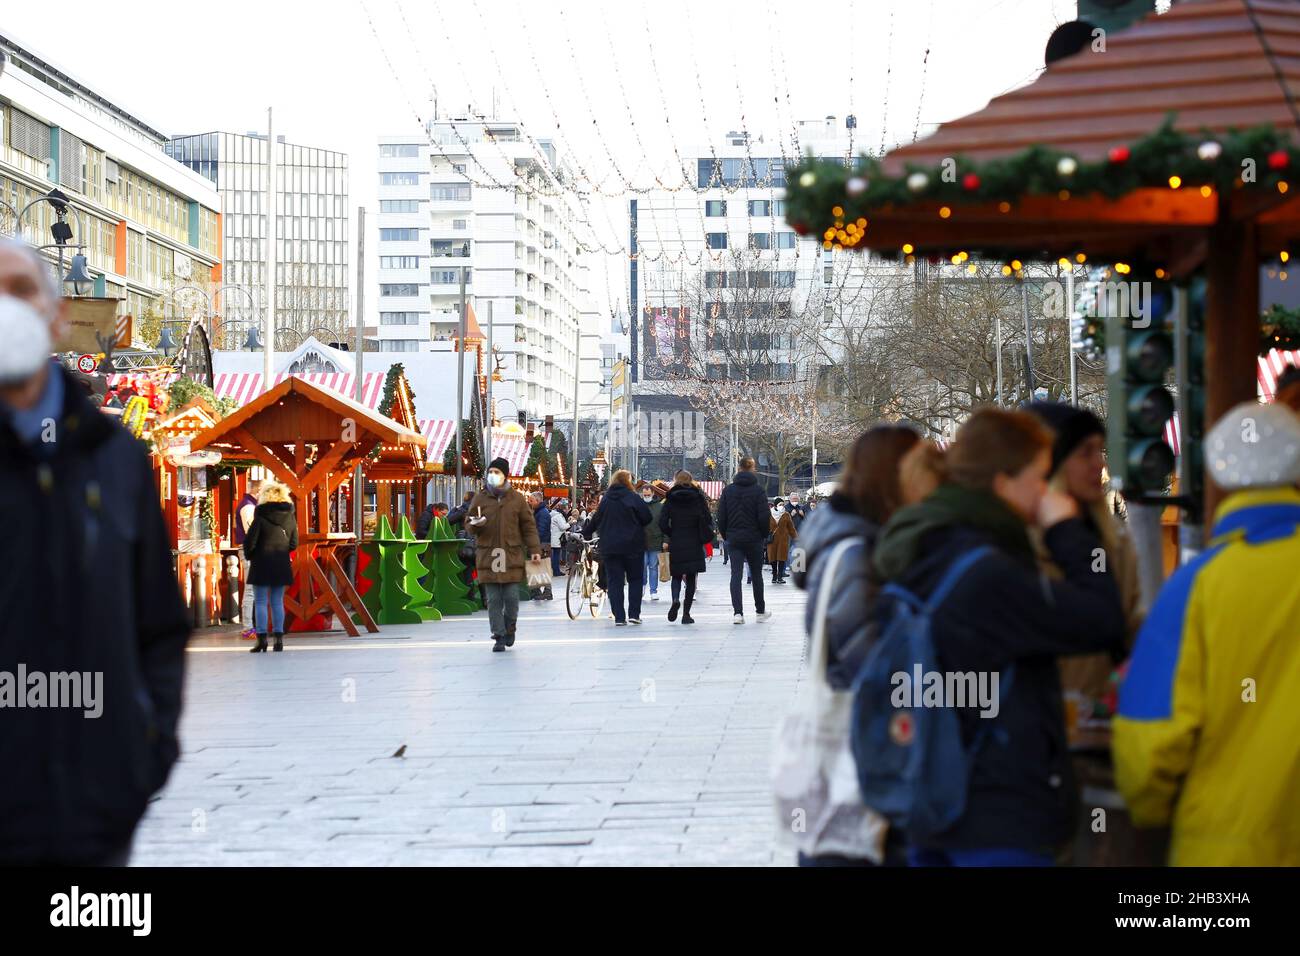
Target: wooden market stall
column 397, row 469
column 310, row 438
column 1170, row 151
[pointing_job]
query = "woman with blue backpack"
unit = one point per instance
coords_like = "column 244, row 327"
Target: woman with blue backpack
column 832, row 561
column 965, row 610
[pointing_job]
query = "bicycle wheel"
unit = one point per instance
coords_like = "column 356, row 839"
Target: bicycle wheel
column 573, row 597
column 597, row 601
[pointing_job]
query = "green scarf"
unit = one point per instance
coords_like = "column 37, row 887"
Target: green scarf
column 900, row 540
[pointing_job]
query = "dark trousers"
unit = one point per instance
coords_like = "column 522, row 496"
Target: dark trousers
column 556, row 553
column 625, row 569
column 751, row 556
column 690, row 588
column 778, row 570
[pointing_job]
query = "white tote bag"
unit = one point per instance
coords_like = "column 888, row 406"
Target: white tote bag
column 819, row 809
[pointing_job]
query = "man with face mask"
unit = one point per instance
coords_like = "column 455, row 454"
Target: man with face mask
column 504, row 530
column 87, row 597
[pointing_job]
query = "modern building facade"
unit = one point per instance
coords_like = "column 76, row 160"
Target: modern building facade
column 150, row 228
column 482, row 200
column 312, row 272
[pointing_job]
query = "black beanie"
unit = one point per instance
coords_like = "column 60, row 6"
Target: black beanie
column 1070, row 426
column 501, row 465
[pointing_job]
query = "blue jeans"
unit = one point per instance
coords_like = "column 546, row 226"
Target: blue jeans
column 985, row 856
column 556, row 571
column 268, row 598
column 651, row 571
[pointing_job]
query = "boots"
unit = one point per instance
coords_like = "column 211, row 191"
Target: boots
column 672, row 611
column 279, row 642
column 260, row 646
column 686, row 612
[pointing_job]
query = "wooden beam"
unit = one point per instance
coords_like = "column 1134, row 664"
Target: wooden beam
column 267, row 457
column 326, row 464
column 1231, row 327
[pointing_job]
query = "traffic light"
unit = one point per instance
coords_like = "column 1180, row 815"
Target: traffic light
column 1139, row 357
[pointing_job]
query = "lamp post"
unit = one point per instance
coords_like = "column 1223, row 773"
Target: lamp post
column 61, row 232
column 460, row 384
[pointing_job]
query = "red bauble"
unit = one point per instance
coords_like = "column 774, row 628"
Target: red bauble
column 800, row 228
column 970, row 182
column 1278, row 159
column 1119, row 154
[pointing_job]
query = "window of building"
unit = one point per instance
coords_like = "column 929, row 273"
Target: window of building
column 399, row 318
column 450, row 276
column 760, row 240
column 716, row 240
column 785, row 240
column 399, row 289
column 399, row 262
column 459, row 224
column 714, row 279
column 715, row 207
column 399, row 205
column 399, row 179
column 399, row 150
column 449, row 247
column 783, row 278
column 830, row 274
column 399, row 235
column 399, row 345
column 778, row 207
column 458, row 168
column 760, row 207
column 443, row 192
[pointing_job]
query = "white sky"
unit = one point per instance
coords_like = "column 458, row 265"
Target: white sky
column 196, row 67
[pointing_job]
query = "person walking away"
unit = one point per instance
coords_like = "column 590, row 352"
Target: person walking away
column 1205, row 737
column 244, row 509
column 504, row 531
column 270, row 539
column 783, row 532
column 559, row 525
column 87, row 590
column 1003, row 620
column 542, row 516
column 687, row 527
column 744, row 522
column 654, row 541
column 872, row 487
column 620, row 520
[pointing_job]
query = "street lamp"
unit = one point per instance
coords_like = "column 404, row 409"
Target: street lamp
column 166, row 343
column 78, row 275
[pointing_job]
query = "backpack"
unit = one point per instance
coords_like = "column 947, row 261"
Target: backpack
column 911, row 763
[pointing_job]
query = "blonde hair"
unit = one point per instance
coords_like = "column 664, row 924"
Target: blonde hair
column 922, row 469
column 683, row 477
column 272, row 492
column 622, row 477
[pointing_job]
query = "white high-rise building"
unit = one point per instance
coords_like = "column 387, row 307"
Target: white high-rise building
column 480, row 200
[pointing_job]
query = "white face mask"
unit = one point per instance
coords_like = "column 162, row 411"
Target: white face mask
column 647, row 497
column 26, row 340
column 495, row 479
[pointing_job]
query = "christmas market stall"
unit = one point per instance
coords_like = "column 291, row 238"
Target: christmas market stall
column 395, row 473
column 310, row 437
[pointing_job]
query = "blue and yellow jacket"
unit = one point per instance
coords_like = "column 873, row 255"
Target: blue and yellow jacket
column 1207, row 738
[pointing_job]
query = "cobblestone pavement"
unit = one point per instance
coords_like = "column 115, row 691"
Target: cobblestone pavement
column 585, row 744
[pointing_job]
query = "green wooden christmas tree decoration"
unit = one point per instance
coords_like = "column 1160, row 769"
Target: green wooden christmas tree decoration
column 369, row 563
column 402, row 599
column 450, row 592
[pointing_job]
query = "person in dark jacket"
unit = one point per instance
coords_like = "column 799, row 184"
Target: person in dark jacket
column 270, row 539
column 620, row 521
column 542, row 516
column 244, row 509
column 743, row 522
column 89, row 601
column 687, row 527
column 424, row 521
column 872, row 487
column 654, row 539
column 1008, row 619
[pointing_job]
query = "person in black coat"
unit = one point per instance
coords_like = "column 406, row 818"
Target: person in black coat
column 88, row 591
column 1006, row 619
column 687, row 527
column 270, row 538
column 620, row 521
column 744, row 522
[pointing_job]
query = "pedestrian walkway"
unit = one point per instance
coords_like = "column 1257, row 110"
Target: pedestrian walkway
column 584, row 744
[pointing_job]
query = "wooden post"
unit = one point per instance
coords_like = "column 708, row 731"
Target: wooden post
column 1231, row 325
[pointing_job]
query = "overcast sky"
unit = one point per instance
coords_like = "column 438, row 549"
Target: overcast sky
column 556, row 66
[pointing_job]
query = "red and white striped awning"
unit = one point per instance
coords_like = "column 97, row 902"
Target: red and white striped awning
column 712, row 488
column 441, row 433
column 1270, row 367
column 243, row 387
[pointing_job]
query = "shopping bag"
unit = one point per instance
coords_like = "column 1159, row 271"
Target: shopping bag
column 819, row 807
column 665, row 568
column 538, row 573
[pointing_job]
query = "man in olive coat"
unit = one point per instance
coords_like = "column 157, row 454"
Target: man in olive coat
column 504, row 531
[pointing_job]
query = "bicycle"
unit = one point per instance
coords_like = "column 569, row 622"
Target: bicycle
column 581, row 588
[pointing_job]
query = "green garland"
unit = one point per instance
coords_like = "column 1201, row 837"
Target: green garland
column 1279, row 329
column 825, row 197
column 395, row 372
column 183, row 390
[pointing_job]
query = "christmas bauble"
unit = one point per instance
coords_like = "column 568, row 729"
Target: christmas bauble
column 808, row 179
column 1278, row 159
column 1209, row 151
column 855, row 186
column 970, row 182
column 1119, row 154
column 917, row 181
column 1067, row 165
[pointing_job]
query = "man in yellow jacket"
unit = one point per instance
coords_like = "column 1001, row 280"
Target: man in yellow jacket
column 1207, row 737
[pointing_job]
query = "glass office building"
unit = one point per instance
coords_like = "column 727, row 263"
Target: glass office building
column 312, row 272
